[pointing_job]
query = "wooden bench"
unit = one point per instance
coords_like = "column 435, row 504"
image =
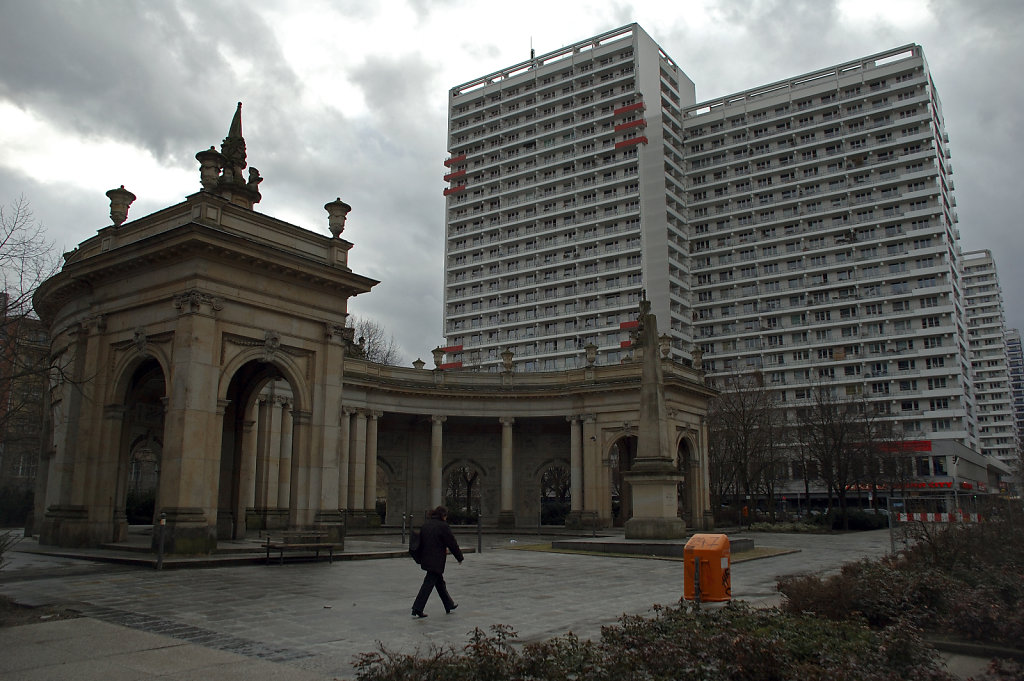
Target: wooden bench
column 307, row 541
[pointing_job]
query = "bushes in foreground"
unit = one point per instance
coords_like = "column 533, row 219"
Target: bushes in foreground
column 734, row 643
column 964, row 580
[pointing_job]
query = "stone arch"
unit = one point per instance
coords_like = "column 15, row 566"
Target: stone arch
column 240, row 440
column 140, row 406
column 621, row 456
column 283, row 362
column 462, row 482
column 127, row 364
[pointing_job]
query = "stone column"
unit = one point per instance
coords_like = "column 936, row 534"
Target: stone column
column 574, row 519
column 284, row 469
column 191, row 457
column 302, row 506
column 246, row 478
column 436, row 460
column 370, row 493
column 261, row 443
column 593, row 486
column 357, row 474
column 115, row 434
column 55, row 502
column 344, row 446
column 507, row 515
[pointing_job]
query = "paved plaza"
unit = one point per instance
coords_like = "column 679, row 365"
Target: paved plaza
column 308, row 621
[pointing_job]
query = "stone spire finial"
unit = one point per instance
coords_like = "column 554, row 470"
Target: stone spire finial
column 221, row 171
column 120, row 200
column 233, row 149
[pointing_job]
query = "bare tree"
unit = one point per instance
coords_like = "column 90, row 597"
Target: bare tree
column 27, row 258
column 831, row 430
column 555, row 483
column 377, row 344
column 462, row 491
column 745, row 440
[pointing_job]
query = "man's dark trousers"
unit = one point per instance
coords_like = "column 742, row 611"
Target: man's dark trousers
column 431, row 581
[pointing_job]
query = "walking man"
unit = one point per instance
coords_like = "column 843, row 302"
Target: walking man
column 436, row 540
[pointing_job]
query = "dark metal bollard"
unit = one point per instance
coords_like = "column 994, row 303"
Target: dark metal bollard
column 160, row 542
column 403, row 528
column 479, row 533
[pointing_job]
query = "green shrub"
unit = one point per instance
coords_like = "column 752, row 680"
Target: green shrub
column 856, row 519
column 734, row 643
column 7, row 542
column 786, row 527
column 961, row 579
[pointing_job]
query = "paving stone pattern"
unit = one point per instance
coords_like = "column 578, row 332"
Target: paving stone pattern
column 318, row 616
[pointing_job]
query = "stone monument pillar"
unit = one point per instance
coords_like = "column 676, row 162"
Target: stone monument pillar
column 653, row 477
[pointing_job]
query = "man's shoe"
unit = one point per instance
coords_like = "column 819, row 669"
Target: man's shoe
column 448, row 610
column 418, row 613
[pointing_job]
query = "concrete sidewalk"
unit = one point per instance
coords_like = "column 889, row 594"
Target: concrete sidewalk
column 309, row 621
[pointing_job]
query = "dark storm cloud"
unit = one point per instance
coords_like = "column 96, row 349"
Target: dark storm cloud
column 165, row 77
column 975, row 58
column 135, row 72
column 974, row 55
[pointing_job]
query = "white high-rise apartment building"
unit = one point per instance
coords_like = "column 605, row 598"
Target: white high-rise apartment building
column 565, row 201
column 993, row 388
column 1015, row 360
column 804, row 230
column 824, row 242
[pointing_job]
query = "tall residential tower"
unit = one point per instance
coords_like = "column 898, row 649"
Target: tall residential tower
column 824, row 242
column 565, row 201
column 990, row 363
column 802, row 232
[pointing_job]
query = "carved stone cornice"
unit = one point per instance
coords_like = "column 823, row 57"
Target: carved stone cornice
column 195, row 301
column 271, row 344
column 95, row 324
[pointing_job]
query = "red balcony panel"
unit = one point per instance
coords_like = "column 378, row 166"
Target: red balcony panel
column 630, row 325
column 907, row 446
column 638, row 123
column 625, row 344
column 453, row 190
column 630, row 142
column 454, row 159
column 639, row 106
column 457, row 173
column 453, row 348
column 450, row 365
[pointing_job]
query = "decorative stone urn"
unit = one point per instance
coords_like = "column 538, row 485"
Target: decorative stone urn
column 337, row 212
column 120, row 200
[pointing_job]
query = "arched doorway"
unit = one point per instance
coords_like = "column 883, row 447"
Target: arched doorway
column 141, row 449
column 462, row 484
column 256, row 458
column 555, row 499
column 621, row 457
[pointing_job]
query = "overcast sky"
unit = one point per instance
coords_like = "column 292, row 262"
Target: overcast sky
column 348, row 98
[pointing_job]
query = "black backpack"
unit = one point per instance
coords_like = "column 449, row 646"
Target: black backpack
column 414, row 544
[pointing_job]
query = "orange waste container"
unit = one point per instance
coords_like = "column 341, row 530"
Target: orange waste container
column 709, row 555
